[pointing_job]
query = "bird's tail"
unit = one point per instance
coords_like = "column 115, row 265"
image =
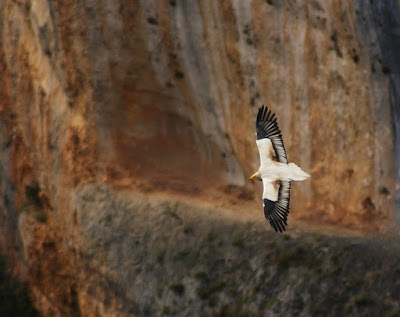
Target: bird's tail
column 296, row 173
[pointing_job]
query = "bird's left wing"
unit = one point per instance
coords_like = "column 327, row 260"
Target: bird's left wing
column 276, row 199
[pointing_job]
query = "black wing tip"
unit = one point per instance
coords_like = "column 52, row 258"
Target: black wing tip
column 267, row 127
column 266, row 124
column 264, row 112
column 278, row 224
column 265, row 115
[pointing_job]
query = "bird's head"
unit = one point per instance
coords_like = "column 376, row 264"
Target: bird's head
column 256, row 176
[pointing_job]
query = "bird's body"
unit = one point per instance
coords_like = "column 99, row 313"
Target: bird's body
column 275, row 171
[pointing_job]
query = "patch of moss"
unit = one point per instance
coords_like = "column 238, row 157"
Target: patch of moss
column 177, row 288
column 236, row 309
column 334, row 259
column 317, row 308
column 206, row 290
column 359, row 301
column 219, row 242
column 373, row 275
column 166, row 310
column 237, row 241
column 286, row 236
column 201, row 276
column 353, row 282
column 364, row 300
column 316, row 237
column 284, row 260
column 150, row 268
column 270, row 303
column 181, row 254
column 160, row 256
column 159, row 291
column 188, row 230
column 214, row 240
column 210, row 237
column 202, row 292
column 297, row 257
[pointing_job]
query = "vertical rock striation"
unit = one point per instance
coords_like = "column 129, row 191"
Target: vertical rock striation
column 162, row 96
column 120, row 85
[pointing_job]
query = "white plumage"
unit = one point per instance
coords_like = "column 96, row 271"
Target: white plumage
column 275, row 172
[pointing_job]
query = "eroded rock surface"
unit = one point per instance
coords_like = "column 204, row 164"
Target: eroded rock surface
column 143, row 97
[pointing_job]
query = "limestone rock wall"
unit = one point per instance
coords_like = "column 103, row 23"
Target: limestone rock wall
column 157, row 96
column 165, row 93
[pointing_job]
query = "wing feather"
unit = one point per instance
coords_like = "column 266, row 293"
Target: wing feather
column 276, row 203
column 267, row 127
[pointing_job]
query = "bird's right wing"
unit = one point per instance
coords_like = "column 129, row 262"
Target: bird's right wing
column 267, row 129
column 276, row 199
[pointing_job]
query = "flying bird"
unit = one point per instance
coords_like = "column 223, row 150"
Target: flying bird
column 275, row 172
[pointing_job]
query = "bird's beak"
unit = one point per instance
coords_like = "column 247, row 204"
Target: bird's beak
column 253, row 177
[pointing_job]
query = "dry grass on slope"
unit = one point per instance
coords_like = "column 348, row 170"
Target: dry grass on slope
column 171, row 257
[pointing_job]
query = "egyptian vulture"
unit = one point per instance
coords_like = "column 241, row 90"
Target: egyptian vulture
column 274, row 171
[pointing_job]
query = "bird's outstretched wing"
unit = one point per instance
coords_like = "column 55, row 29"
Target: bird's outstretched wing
column 276, row 199
column 267, row 128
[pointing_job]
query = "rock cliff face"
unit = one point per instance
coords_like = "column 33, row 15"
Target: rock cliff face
column 161, row 96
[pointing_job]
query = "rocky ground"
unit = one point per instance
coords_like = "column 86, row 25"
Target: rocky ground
column 156, row 255
column 174, row 258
